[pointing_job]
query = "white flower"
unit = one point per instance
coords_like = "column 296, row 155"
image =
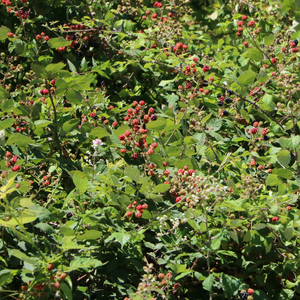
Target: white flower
column 97, row 142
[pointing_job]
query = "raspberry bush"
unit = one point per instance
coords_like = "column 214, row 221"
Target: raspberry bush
column 149, row 149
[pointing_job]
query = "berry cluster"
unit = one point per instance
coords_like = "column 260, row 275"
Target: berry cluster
column 135, row 139
column 136, row 209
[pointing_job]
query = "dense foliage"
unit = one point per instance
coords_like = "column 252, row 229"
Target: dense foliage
column 149, row 150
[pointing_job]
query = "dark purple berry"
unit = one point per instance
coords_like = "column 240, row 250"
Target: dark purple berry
column 225, row 113
column 103, row 118
column 228, row 100
column 153, row 117
column 220, row 103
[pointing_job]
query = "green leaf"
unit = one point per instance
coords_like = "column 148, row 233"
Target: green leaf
column 273, row 180
column 230, row 285
column 70, row 125
column 157, row 125
column 71, row 66
column 74, row 97
column 22, row 256
column 293, row 142
column 247, row 78
column 80, row 183
column 283, row 158
column 66, row 290
column 53, row 68
column 253, row 54
column 83, row 263
column 98, row 133
column 161, row 188
column 122, row 238
column 208, row 283
column 133, row 173
column 89, row 235
column 19, row 139
column 6, row 123
column 189, row 140
column 269, row 39
column 288, row 233
column 45, row 227
column 285, row 294
column 283, row 173
column 3, row 33
column 58, row 42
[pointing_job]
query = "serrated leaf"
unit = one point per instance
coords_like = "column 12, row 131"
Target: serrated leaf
column 208, row 283
column 19, row 139
column 161, row 188
column 247, row 78
column 273, row 180
column 283, row 158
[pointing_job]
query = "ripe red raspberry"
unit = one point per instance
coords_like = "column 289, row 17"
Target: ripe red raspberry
column 165, row 164
column 176, row 286
column 166, row 172
column 135, row 122
column 122, row 137
column 142, row 103
column 250, row 291
column 52, row 81
column 253, row 130
column 92, row 114
column 16, row 168
column 188, row 68
column 10, row 34
column 274, row 60
column 24, row 288
column 46, row 38
column 253, row 163
column 110, row 107
column 153, row 145
column 129, row 214
column 240, row 23
column 205, row 69
column 145, row 206
column 150, row 111
column 154, row 15
column 169, row 276
column 191, row 171
column 255, row 124
column 138, row 214
column 178, row 199
column 115, row 124
column 246, row 44
column 50, row 267
column 135, row 156
column 161, row 276
column 244, row 18
column 264, row 131
column 275, row 219
column 150, row 151
column 251, row 23
column 295, row 50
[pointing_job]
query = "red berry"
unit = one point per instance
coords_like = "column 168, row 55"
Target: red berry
column 205, row 69
column 273, row 60
column 135, row 156
column 129, row 214
column 288, row 207
column 275, row 219
column 244, row 18
column 253, row 130
column 16, row 168
column 251, row 23
column 250, row 291
column 46, row 38
column 138, row 214
column 154, row 15
column 50, row 267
